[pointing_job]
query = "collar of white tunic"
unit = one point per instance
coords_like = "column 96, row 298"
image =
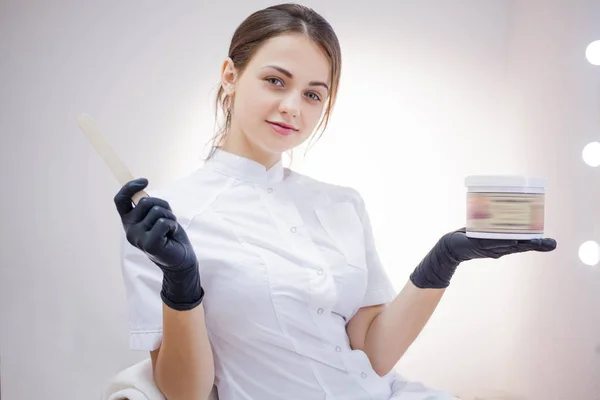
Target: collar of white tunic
column 246, row 169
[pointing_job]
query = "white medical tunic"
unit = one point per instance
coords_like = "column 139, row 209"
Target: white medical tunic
column 285, row 262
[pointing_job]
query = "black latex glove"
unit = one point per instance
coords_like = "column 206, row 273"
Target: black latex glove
column 438, row 266
column 152, row 227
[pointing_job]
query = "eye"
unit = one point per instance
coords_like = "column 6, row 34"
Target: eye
column 274, row 81
column 316, row 96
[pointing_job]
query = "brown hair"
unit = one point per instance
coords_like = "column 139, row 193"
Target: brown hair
column 266, row 24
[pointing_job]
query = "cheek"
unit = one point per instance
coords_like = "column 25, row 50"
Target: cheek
column 314, row 114
column 256, row 107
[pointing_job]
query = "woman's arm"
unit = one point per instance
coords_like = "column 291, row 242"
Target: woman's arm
column 183, row 365
column 385, row 332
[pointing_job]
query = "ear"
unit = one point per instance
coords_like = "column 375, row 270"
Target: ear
column 228, row 76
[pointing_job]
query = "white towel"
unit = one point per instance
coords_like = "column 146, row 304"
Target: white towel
column 133, row 383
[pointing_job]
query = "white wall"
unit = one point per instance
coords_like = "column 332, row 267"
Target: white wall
column 431, row 91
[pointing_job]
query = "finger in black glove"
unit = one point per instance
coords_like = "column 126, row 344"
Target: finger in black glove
column 463, row 248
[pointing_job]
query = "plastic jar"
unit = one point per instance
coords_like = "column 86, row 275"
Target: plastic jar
column 505, row 207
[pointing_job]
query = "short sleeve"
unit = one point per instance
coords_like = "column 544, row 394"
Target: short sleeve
column 143, row 283
column 379, row 287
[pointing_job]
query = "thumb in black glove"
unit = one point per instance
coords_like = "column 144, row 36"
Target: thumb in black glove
column 152, row 227
column 438, row 266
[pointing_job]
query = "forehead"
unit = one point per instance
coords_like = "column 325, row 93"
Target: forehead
column 297, row 54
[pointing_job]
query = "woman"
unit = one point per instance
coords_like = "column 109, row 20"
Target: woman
column 264, row 281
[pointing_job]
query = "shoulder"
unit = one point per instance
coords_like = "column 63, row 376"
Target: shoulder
column 335, row 192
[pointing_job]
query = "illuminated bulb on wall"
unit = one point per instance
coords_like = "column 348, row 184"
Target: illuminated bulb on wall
column 589, row 253
column 592, row 52
column 591, row 154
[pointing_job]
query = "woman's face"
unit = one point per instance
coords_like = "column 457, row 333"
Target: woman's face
column 286, row 83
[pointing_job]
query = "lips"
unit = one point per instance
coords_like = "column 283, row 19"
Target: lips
column 282, row 128
column 283, row 125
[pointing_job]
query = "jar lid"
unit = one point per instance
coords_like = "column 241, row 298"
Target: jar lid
column 505, row 181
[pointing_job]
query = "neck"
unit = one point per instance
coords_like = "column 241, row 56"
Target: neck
column 239, row 145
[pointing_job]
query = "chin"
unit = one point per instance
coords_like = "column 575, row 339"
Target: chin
column 277, row 150
column 277, row 144
column 270, row 146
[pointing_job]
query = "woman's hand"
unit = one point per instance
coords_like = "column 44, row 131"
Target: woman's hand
column 464, row 248
column 152, row 227
column 437, row 268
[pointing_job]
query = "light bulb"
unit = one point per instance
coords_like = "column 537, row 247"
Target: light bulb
column 591, row 154
column 589, row 253
column 592, row 52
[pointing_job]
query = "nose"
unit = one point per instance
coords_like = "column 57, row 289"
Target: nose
column 290, row 104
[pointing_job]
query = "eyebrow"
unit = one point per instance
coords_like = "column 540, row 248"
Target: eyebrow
column 291, row 76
